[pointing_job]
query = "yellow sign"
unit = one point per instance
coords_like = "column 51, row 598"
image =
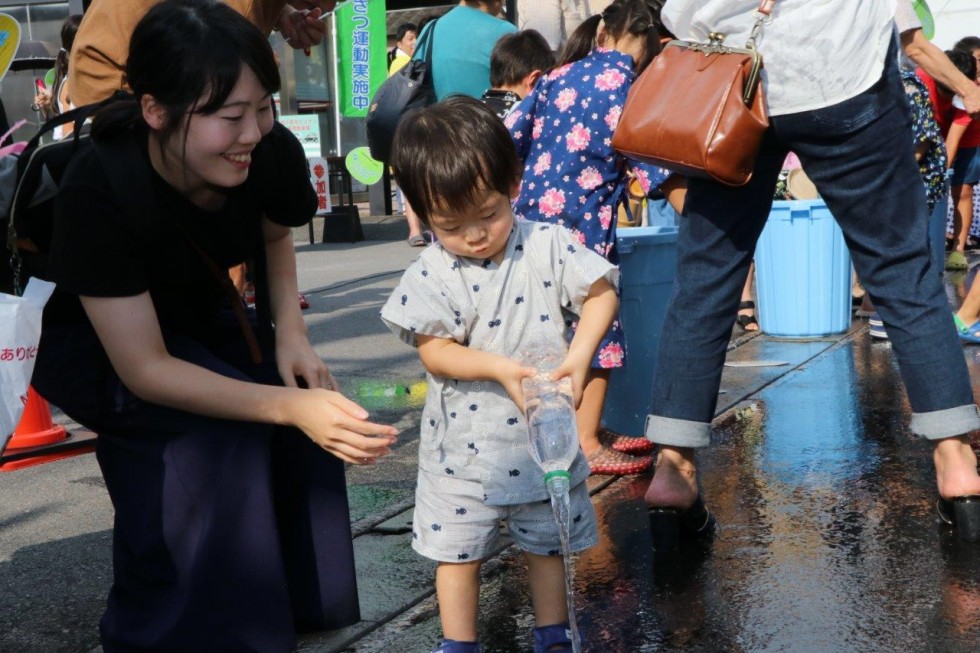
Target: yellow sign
column 9, row 40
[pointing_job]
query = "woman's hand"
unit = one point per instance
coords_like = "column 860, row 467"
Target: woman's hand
column 340, row 426
column 296, row 358
column 509, row 374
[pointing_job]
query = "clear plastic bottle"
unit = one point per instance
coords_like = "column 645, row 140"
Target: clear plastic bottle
column 550, row 409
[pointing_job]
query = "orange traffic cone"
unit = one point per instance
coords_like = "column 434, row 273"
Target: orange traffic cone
column 35, row 428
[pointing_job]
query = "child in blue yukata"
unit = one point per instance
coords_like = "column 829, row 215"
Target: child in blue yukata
column 572, row 177
column 473, row 304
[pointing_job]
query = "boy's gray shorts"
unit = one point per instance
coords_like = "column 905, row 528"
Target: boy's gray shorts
column 453, row 524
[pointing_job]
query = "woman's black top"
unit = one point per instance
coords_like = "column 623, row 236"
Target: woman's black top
column 100, row 250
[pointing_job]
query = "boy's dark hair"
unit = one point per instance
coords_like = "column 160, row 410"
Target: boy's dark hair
column 622, row 17
column 404, row 29
column 964, row 62
column 444, row 156
column 182, row 51
column 517, row 55
column 968, row 44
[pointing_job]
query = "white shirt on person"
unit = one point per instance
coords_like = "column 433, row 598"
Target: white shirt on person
column 816, row 53
column 905, row 17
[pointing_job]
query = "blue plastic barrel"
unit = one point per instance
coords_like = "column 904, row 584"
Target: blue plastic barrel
column 648, row 262
column 803, row 272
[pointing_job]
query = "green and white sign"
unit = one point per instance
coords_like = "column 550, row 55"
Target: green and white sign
column 362, row 167
column 362, row 40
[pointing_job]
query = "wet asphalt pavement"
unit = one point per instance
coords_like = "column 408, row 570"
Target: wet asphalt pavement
column 827, row 537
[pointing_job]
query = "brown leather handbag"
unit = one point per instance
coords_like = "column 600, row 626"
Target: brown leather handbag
column 698, row 109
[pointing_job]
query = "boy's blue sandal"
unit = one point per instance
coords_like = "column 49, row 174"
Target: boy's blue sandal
column 552, row 639
column 452, row 646
column 963, row 514
column 967, row 333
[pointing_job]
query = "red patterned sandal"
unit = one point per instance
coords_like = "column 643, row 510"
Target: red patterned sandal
column 625, row 443
column 616, row 463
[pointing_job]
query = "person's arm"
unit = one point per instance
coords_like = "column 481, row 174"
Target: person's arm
column 953, row 138
column 598, row 312
column 130, row 332
column 675, row 190
column 935, row 62
column 295, row 356
column 303, row 28
column 450, row 360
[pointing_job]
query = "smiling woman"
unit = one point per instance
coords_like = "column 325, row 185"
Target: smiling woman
column 221, row 468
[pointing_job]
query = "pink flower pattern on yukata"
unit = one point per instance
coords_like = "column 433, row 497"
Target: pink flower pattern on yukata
column 566, row 99
column 612, row 118
column 643, row 177
column 610, row 80
column 611, row 355
column 578, row 139
column 570, row 116
column 589, row 178
column 552, row 202
column 543, row 164
column 605, row 216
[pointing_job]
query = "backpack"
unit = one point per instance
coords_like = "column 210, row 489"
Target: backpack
column 408, row 90
column 29, row 182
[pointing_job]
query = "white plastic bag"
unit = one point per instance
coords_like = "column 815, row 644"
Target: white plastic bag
column 20, row 333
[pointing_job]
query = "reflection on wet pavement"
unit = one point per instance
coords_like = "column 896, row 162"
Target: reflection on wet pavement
column 827, row 542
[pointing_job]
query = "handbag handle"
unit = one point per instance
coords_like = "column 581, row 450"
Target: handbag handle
column 763, row 16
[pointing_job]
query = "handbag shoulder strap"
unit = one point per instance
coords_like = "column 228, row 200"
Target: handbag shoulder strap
column 763, row 15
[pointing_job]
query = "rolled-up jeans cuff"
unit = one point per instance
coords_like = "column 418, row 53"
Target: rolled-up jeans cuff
column 946, row 423
column 677, row 432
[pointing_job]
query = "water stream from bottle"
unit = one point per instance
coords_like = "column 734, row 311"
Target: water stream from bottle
column 560, row 507
column 553, row 444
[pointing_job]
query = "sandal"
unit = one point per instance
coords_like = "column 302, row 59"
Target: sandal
column 746, row 321
column 552, row 638
column 625, row 443
column 966, row 333
column 453, row 646
column 963, row 514
column 669, row 525
column 417, row 241
column 616, row 463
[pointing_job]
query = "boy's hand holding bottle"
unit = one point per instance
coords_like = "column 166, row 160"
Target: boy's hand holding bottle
column 510, row 373
column 576, row 365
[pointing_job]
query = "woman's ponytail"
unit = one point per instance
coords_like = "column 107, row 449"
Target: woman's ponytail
column 120, row 115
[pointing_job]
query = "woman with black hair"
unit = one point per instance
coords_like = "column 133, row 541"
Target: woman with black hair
column 222, row 453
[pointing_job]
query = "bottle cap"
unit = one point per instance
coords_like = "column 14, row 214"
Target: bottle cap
column 558, row 473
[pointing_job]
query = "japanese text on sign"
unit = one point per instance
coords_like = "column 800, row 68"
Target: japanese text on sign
column 361, row 54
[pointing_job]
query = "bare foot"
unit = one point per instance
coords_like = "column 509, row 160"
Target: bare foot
column 675, row 483
column 956, row 468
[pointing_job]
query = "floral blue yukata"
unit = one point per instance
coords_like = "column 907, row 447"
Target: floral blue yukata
column 563, row 131
column 473, row 452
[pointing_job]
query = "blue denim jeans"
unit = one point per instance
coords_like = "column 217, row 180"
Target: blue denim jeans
column 859, row 153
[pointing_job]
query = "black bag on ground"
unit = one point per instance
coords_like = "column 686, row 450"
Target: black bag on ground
column 409, row 89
